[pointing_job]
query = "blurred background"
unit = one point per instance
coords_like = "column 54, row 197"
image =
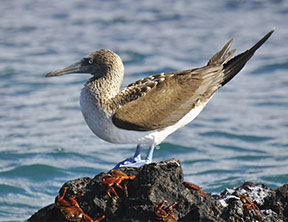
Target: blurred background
column 240, row 136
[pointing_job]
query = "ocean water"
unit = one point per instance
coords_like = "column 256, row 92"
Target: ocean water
column 240, row 136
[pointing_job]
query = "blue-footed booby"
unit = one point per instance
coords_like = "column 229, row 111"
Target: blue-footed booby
column 148, row 110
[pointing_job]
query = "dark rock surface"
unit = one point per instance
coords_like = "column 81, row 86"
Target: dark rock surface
column 164, row 181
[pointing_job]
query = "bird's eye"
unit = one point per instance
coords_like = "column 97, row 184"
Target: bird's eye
column 90, row 61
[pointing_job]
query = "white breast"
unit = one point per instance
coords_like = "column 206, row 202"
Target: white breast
column 101, row 124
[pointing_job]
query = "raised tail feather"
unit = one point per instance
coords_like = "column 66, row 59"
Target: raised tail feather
column 223, row 55
column 233, row 66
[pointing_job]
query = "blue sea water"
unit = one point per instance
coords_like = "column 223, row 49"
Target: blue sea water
column 241, row 135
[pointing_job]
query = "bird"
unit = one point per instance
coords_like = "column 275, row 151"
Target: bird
column 146, row 111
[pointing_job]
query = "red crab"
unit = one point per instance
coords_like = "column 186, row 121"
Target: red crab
column 248, row 204
column 117, row 177
column 71, row 209
column 195, row 187
column 165, row 215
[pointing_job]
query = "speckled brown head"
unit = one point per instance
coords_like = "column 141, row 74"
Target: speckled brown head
column 99, row 63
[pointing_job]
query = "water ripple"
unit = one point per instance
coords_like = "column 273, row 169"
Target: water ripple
column 247, row 138
column 238, row 149
column 6, row 189
column 268, row 69
column 249, row 157
column 37, row 172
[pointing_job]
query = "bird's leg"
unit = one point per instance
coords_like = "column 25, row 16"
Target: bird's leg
column 137, row 155
column 150, row 154
column 136, row 160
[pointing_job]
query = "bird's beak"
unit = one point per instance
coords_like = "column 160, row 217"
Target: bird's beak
column 74, row 68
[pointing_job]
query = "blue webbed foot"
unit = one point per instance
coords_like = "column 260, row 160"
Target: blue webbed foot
column 131, row 162
column 136, row 161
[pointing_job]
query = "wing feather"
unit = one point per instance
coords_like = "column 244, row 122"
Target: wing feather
column 168, row 100
column 161, row 100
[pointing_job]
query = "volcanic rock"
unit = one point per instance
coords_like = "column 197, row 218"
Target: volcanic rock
column 156, row 182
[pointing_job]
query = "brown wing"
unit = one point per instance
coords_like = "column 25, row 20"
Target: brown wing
column 162, row 100
column 167, row 101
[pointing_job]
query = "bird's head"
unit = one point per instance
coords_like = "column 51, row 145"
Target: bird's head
column 98, row 64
